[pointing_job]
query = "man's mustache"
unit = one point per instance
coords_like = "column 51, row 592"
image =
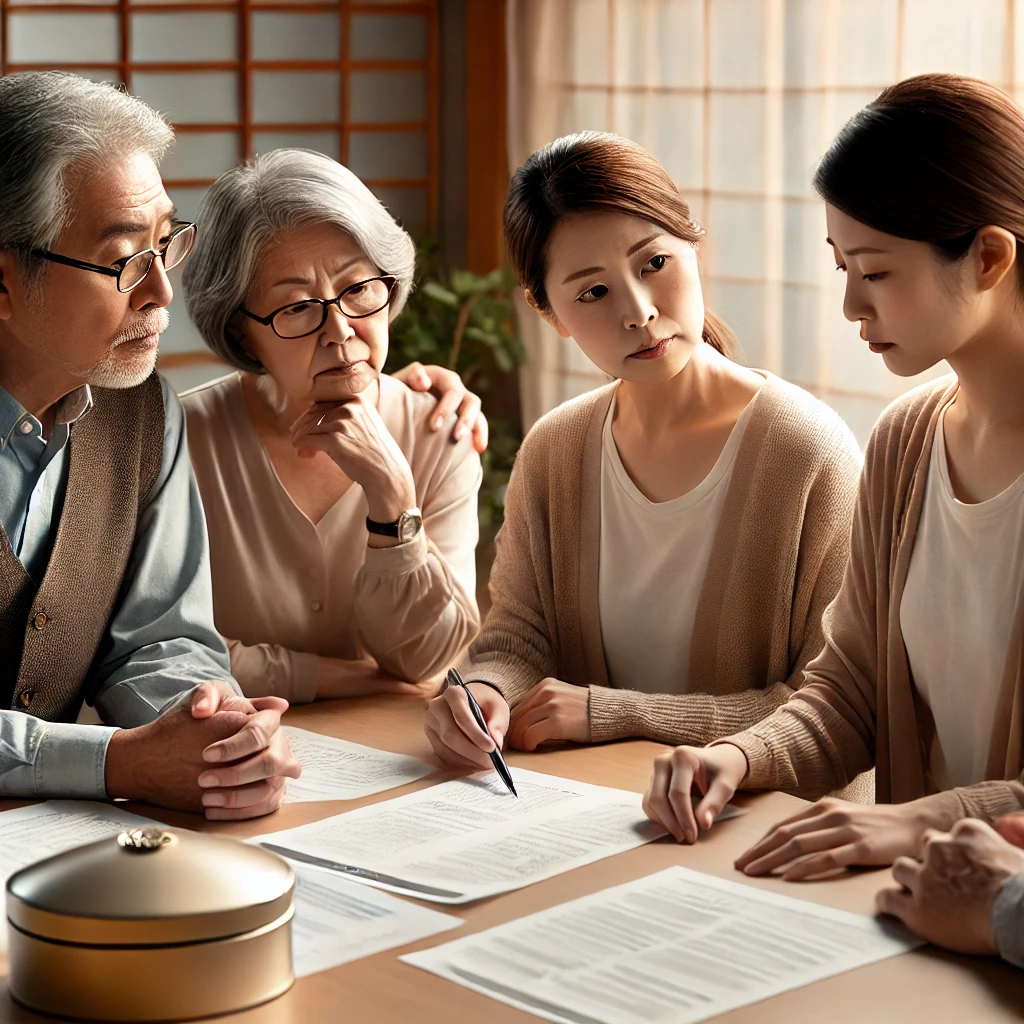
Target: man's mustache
column 155, row 322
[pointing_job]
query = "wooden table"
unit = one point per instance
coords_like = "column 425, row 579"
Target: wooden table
column 926, row 985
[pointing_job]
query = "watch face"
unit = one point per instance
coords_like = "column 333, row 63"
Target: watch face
column 409, row 524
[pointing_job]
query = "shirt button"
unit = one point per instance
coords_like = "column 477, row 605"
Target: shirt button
column 25, row 697
column 26, row 427
column 316, row 606
column 39, row 621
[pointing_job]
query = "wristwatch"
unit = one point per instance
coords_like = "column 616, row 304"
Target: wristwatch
column 405, row 527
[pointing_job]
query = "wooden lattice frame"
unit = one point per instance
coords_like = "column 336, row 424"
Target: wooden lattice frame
column 245, row 64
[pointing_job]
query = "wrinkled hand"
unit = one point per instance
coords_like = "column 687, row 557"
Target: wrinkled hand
column 714, row 772
column 165, row 761
column 552, row 712
column 452, row 396
column 356, row 438
column 946, row 894
column 261, row 762
column 338, row 677
column 452, row 730
column 834, row 834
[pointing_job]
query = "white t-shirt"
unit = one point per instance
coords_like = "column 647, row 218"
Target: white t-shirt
column 652, row 563
column 957, row 614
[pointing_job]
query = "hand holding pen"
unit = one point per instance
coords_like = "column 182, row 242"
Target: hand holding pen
column 458, row 739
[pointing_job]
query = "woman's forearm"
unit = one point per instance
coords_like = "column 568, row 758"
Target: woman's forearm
column 414, row 617
column 694, row 719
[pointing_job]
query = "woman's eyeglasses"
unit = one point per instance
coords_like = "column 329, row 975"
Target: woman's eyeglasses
column 298, row 319
column 132, row 270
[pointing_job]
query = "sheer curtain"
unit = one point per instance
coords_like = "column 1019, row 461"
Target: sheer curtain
column 738, row 99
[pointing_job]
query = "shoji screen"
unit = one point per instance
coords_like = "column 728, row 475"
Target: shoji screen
column 355, row 79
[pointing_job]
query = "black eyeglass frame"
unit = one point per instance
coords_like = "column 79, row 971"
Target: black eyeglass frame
column 268, row 321
column 117, row 268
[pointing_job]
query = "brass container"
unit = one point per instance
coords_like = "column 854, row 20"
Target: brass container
column 154, row 925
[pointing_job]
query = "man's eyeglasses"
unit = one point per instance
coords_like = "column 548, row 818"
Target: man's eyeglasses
column 298, row 319
column 132, row 270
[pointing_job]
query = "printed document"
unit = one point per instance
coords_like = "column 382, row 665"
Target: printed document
column 334, row 769
column 469, row 838
column 337, row 921
column 673, row 948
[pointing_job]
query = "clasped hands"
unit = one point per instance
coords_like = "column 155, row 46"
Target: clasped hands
column 213, row 750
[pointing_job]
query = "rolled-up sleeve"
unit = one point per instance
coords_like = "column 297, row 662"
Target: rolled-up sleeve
column 416, row 602
column 51, row 759
column 271, row 670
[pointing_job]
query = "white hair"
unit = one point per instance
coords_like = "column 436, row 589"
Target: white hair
column 248, row 206
column 50, row 121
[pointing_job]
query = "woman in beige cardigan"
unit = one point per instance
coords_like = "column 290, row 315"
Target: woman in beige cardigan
column 671, row 540
column 342, row 523
column 922, row 672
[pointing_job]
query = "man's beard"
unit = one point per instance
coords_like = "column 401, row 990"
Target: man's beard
column 119, row 369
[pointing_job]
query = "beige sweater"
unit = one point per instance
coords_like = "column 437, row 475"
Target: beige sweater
column 776, row 563
column 286, row 590
column 858, row 706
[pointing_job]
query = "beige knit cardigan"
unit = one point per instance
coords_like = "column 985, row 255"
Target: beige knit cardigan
column 859, row 705
column 776, row 563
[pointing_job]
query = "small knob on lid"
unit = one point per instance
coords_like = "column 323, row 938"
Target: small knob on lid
column 142, row 840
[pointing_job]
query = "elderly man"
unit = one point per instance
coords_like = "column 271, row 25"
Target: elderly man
column 104, row 569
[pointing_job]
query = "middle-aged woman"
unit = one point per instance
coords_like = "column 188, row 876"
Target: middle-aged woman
column 342, row 526
column 672, row 539
column 922, row 672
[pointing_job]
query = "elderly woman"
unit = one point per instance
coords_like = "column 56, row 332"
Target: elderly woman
column 342, row 524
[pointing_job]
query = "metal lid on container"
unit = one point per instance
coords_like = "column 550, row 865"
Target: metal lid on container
column 151, row 886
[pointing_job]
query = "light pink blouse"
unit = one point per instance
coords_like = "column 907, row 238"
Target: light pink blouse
column 286, row 591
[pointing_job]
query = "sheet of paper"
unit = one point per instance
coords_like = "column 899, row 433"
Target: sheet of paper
column 334, row 769
column 675, row 947
column 337, row 921
column 469, row 838
column 28, row 834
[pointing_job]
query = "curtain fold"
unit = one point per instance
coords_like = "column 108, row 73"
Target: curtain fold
column 739, row 99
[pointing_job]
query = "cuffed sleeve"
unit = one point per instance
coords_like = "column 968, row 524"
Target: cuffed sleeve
column 40, row 759
column 415, row 603
column 1008, row 921
column 270, row 670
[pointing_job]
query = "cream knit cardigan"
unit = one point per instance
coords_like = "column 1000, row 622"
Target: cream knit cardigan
column 776, row 563
column 858, row 706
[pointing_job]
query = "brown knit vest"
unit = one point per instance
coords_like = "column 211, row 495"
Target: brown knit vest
column 50, row 636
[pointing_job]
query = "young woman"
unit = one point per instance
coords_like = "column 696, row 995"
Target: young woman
column 342, row 525
column 671, row 540
column 922, row 673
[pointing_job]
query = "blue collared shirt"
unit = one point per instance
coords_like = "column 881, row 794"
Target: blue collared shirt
column 160, row 640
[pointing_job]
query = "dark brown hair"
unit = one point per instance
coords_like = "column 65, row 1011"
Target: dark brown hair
column 933, row 159
column 587, row 172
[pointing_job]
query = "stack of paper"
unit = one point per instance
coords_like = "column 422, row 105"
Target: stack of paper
column 675, row 947
column 470, row 838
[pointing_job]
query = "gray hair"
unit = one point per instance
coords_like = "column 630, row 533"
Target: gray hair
column 49, row 121
column 248, row 206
